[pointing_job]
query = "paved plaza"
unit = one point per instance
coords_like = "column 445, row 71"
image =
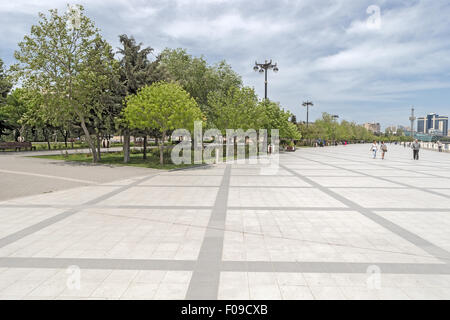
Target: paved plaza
column 27, row 176
column 330, row 223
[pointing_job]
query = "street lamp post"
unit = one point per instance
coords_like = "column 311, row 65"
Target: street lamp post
column 335, row 117
column 307, row 104
column 263, row 67
column 412, row 119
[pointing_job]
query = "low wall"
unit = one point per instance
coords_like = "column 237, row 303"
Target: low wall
column 434, row 146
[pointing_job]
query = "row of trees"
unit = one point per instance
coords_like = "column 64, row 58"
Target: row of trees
column 74, row 83
column 328, row 129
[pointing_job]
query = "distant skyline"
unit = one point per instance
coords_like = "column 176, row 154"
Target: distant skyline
column 336, row 53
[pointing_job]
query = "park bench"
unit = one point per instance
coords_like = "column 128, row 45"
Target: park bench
column 16, row 146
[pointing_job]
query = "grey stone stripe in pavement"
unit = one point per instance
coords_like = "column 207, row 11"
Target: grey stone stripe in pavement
column 333, row 267
column 291, row 208
column 413, row 238
column 191, row 175
column 410, row 210
column 225, row 266
column 176, row 186
column 204, row 284
column 243, row 187
column 406, row 185
column 384, row 209
column 337, row 209
column 92, row 263
column 155, row 207
column 35, row 227
column 57, row 218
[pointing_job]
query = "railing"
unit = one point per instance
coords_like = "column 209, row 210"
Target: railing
column 434, row 146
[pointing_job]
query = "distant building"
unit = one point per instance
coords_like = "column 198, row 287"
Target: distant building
column 373, row 127
column 404, row 129
column 433, row 124
column 421, row 125
column 397, row 130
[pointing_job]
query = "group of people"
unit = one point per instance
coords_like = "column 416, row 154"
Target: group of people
column 374, row 149
column 415, row 146
column 323, row 143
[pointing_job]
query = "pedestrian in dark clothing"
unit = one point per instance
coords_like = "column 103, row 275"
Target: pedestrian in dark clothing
column 383, row 150
column 416, row 148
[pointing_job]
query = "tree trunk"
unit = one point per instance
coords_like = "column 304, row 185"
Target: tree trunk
column 88, row 139
column 161, row 149
column 126, row 146
column 66, row 135
column 34, row 132
column 99, row 147
column 46, row 137
column 145, row 148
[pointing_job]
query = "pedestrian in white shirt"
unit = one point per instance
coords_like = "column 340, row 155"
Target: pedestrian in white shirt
column 374, row 149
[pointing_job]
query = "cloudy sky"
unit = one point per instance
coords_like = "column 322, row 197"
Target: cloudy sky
column 338, row 53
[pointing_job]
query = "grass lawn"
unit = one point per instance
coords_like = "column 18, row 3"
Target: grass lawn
column 136, row 160
column 116, row 158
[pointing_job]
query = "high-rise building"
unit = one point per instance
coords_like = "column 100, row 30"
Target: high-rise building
column 421, row 125
column 374, row 127
column 433, row 124
column 437, row 125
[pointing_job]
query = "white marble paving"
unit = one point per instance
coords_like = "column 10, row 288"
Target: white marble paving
column 331, row 211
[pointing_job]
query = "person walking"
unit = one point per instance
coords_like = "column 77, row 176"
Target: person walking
column 416, row 147
column 374, row 149
column 384, row 149
column 439, row 143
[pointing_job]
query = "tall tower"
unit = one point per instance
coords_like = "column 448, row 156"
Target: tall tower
column 412, row 119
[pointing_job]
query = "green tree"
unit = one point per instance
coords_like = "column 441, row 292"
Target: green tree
column 274, row 117
column 5, row 87
column 162, row 106
column 35, row 115
column 13, row 111
column 136, row 71
column 68, row 64
column 236, row 108
column 327, row 128
column 198, row 78
column 293, row 119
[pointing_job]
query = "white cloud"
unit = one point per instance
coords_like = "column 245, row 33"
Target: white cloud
column 323, row 47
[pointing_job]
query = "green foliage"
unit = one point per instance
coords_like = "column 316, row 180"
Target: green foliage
column 198, row 78
column 5, row 83
column 274, row 117
column 5, row 87
column 331, row 130
column 236, row 108
column 71, row 67
column 162, row 106
column 14, row 109
column 136, row 70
